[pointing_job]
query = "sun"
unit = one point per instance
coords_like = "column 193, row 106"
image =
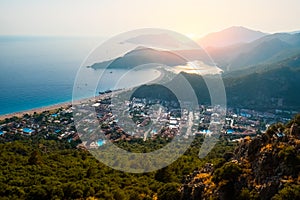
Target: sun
column 192, row 36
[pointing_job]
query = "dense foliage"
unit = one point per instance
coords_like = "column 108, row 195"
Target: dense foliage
column 36, row 168
column 263, row 167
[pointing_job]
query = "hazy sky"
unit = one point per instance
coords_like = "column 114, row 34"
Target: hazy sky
column 110, row 17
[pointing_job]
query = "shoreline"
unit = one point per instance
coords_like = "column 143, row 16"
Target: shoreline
column 58, row 105
column 69, row 103
column 37, row 110
column 45, row 108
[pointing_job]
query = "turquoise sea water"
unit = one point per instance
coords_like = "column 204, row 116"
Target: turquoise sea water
column 40, row 71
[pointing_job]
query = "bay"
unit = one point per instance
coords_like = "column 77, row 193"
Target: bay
column 40, row 71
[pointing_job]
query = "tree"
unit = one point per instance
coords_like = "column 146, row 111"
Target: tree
column 37, row 192
column 225, row 177
column 229, row 172
column 164, row 175
column 90, row 172
column 169, row 191
column 34, row 158
column 119, row 195
column 288, row 193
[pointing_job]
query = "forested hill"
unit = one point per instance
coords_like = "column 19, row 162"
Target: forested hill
column 265, row 50
column 42, row 166
column 265, row 167
column 272, row 86
column 140, row 56
column 268, row 86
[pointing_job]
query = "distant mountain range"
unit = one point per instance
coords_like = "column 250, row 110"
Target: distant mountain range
column 230, row 36
column 272, row 86
column 260, row 70
column 268, row 49
column 248, row 49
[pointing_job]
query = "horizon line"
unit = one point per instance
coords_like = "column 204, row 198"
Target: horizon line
column 107, row 36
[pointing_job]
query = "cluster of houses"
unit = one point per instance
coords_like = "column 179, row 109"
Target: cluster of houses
column 55, row 124
column 139, row 118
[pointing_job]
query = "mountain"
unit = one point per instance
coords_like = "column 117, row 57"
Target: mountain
column 272, row 86
column 140, row 56
column 143, row 55
column 268, row 49
column 264, row 87
column 291, row 62
column 230, row 36
column 164, row 40
column 264, row 50
column 269, row 85
column 278, row 88
column 268, row 67
column 264, row 167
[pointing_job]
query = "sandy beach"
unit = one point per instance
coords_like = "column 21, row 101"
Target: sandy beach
column 37, row 110
column 59, row 105
column 46, row 108
column 66, row 104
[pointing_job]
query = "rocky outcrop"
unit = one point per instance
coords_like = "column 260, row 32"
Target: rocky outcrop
column 260, row 168
column 295, row 130
column 194, row 185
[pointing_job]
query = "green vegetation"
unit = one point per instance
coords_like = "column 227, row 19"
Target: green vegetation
column 269, row 86
column 140, row 56
column 289, row 192
column 263, row 167
column 169, row 191
column 35, row 168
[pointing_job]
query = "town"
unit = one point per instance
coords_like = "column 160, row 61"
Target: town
column 139, row 118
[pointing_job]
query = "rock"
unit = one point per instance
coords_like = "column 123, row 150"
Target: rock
column 254, row 146
column 295, row 130
column 269, row 190
column 267, row 163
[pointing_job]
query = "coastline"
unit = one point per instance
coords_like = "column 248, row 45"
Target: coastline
column 37, row 110
column 45, row 108
column 69, row 103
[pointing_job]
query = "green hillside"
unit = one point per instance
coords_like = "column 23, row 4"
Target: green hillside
column 266, row 50
column 260, row 168
column 265, row 167
column 140, row 56
column 262, row 87
column 266, row 85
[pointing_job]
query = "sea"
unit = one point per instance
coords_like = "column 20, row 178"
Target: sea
column 41, row 71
